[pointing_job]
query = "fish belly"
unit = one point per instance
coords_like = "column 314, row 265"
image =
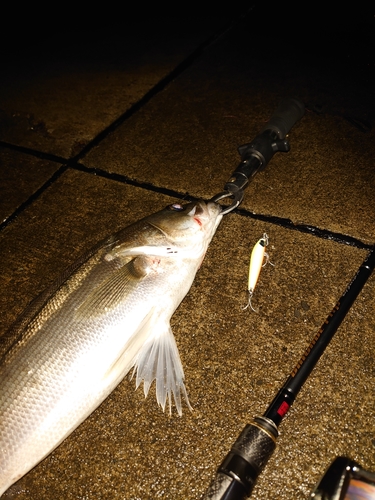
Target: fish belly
column 60, row 373
column 52, row 385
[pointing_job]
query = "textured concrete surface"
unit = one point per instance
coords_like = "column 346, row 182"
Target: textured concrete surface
column 102, row 130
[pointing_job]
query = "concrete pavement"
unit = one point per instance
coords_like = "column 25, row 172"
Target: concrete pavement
column 101, row 129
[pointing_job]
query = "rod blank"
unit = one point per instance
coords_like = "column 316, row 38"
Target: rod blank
column 237, row 475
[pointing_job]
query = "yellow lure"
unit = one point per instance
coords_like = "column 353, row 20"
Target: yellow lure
column 256, row 263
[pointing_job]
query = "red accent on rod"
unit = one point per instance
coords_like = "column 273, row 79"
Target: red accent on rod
column 283, row 409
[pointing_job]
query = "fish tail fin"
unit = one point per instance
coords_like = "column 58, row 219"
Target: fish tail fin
column 159, row 360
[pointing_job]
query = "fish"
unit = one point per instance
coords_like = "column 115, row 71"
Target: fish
column 107, row 314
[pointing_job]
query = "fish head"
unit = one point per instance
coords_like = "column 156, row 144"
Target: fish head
column 189, row 225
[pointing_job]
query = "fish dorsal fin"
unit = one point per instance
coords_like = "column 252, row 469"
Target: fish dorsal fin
column 114, row 289
column 159, row 360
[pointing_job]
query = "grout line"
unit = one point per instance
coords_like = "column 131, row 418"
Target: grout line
column 307, row 229
column 113, row 176
column 271, row 219
column 33, row 152
column 56, row 175
column 74, row 165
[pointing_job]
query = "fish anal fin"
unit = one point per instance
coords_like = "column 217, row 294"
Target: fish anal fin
column 159, row 360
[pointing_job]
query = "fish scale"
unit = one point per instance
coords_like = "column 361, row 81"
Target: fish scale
column 110, row 312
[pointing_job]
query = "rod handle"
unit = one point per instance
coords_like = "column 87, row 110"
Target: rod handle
column 237, row 474
column 288, row 113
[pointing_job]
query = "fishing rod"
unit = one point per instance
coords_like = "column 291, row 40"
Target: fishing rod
column 237, row 474
column 255, row 155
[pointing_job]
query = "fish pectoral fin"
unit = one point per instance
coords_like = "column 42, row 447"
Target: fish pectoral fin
column 159, row 360
column 126, row 358
column 114, row 289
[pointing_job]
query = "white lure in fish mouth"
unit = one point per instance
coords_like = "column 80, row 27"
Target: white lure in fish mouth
column 108, row 313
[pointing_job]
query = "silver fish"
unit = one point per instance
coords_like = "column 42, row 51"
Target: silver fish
column 108, row 313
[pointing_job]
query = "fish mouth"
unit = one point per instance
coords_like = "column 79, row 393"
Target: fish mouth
column 215, row 210
column 210, row 213
column 206, row 214
column 207, row 209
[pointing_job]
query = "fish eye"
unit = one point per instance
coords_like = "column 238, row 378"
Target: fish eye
column 176, row 206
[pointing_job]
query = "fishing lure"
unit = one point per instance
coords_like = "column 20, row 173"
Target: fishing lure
column 256, row 263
